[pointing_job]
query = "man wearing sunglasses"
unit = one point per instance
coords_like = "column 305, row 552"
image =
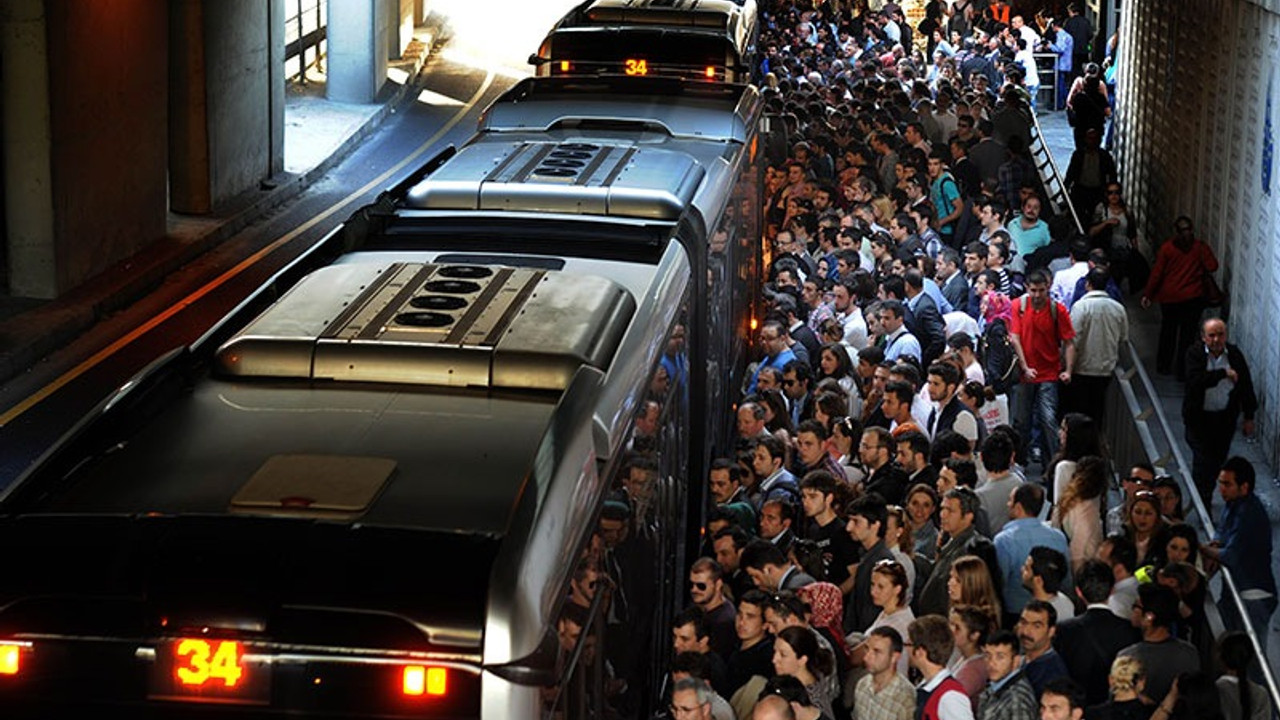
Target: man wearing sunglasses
column 1140, row 477
column 706, row 589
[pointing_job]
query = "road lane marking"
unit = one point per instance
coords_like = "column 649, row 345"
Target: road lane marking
column 67, row 377
column 426, row 97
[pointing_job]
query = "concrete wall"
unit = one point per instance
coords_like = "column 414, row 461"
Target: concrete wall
column 1198, row 122
column 107, row 120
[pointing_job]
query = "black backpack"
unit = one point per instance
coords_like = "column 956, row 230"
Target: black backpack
column 999, row 361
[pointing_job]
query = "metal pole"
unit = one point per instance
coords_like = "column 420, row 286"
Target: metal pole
column 302, row 49
column 320, row 24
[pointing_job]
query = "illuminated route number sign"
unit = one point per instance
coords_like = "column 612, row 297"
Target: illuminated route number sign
column 208, row 669
column 636, row 66
column 200, row 662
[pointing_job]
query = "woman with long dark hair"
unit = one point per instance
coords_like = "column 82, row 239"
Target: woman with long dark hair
column 1080, row 509
column 1146, row 528
column 1192, row 697
column 1078, row 436
column 1241, row 698
column 834, row 362
column 796, row 653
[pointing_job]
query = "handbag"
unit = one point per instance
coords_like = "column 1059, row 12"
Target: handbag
column 1213, row 295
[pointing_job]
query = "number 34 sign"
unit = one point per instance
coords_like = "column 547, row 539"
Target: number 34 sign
column 209, row 670
column 204, row 661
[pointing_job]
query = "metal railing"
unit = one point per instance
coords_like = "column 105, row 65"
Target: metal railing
column 1138, row 427
column 305, row 30
column 1136, row 424
column 1050, row 176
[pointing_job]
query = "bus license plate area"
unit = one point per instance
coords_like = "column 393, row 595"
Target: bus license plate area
column 209, row 670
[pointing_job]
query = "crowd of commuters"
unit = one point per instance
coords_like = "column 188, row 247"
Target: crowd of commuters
column 877, row 547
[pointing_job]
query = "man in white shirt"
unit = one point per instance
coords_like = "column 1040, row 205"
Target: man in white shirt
column 1118, row 552
column 1102, row 327
column 898, row 341
column 1063, row 288
column 1019, row 26
column 1043, row 574
column 961, row 343
column 850, row 316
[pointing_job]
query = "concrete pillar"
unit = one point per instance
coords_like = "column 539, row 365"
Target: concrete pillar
column 276, row 83
column 358, row 45
column 84, row 133
column 28, row 182
column 227, row 129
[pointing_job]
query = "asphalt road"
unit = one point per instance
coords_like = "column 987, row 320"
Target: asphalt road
column 77, row 378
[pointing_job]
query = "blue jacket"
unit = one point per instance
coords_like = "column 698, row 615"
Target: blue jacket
column 1245, row 533
column 779, row 361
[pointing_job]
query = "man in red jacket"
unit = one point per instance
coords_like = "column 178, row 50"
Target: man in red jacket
column 1177, row 282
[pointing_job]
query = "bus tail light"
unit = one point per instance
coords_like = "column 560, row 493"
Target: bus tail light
column 10, row 658
column 422, row 680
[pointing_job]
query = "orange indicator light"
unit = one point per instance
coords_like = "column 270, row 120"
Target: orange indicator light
column 564, row 66
column 203, row 661
column 10, row 659
column 711, row 72
column 437, row 681
column 755, row 324
column 420, row 680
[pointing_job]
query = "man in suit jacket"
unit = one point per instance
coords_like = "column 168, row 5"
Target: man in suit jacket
column 924, row 319
column 770, row 569
column 1089, row 642
column 951, row 413
column 797, row 328
column 1219, row 388
column 951, row 280
column 959, row 508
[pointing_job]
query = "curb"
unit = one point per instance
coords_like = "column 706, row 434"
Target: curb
column 28, row 337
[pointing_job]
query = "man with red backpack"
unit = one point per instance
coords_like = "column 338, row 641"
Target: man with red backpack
column 1043, row 339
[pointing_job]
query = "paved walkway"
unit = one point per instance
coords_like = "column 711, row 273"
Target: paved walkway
column 1144, row 330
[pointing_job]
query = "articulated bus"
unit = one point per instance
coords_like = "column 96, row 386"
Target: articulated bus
column 447, row 464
